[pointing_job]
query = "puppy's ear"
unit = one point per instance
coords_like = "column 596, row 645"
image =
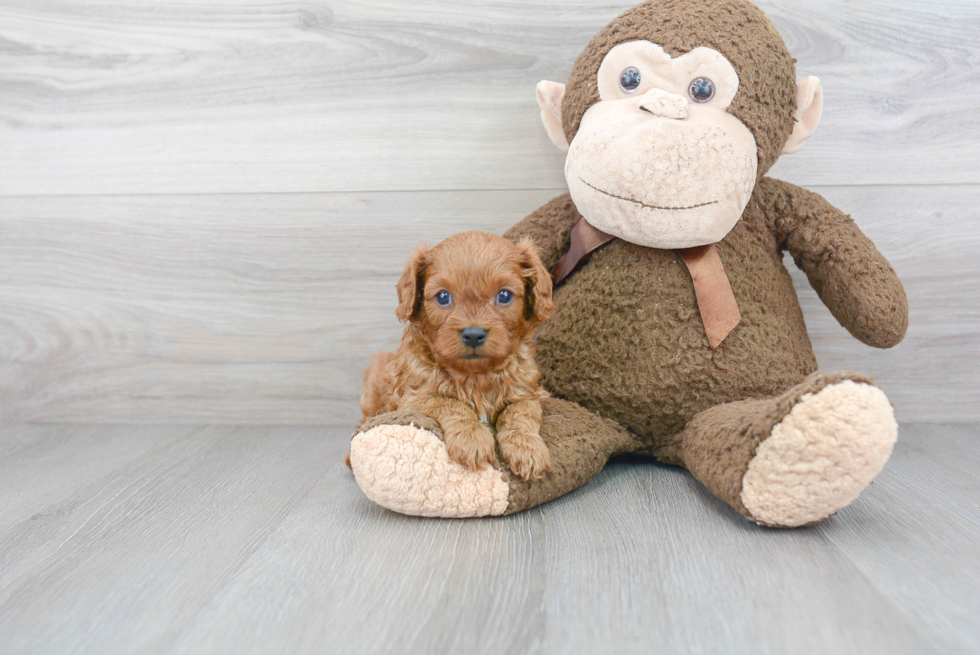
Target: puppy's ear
column 537, row 284
column 411, row 286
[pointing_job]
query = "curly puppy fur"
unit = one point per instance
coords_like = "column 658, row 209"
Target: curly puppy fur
column 470, row 384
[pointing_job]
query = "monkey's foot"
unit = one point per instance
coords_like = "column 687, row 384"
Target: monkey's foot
column 820, row 456
column 406, row 469
column 400, row 462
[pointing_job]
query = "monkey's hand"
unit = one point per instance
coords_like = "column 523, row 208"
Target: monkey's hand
column 854, row 280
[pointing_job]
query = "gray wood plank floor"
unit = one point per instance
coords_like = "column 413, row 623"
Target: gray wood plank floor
column 156, row 539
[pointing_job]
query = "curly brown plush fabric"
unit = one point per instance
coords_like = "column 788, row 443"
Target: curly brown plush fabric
column 646, row 362
column 852, row 278
column 402, row 417
column 739, row 30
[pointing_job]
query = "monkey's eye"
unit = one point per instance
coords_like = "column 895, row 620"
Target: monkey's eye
column 701, row 90
column 629, row 79
column 505, row 297
column 444, row 299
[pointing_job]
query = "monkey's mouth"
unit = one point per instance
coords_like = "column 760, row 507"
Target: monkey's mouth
column 643, row 204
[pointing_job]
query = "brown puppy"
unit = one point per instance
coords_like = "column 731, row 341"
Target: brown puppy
column 471, row 303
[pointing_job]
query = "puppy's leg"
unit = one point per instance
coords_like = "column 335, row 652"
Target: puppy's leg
column 375, row 387
column 519, row 436
column 373, row 391
column 468, row 442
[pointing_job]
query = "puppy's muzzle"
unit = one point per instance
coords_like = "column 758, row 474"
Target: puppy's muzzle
column 474, row 337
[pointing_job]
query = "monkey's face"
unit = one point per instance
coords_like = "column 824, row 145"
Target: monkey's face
column 658, row 161
column 672, row 113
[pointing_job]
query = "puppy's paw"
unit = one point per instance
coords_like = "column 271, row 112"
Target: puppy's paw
column 527, row 455
column 471, row 445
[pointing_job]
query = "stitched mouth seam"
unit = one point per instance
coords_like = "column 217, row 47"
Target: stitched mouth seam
column 643, row 204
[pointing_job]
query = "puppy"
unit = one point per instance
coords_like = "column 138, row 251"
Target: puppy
column 471, row 304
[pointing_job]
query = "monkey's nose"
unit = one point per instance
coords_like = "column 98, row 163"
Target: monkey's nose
column 664, row 104
column 473, row 336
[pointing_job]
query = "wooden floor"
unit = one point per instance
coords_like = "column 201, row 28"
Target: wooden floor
column 256, row 540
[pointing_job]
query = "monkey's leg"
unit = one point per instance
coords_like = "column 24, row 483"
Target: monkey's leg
column 400, row 462
column 796, row 458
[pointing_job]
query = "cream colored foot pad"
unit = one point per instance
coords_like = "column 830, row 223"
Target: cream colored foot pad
column 821, row 455
column 406, row 469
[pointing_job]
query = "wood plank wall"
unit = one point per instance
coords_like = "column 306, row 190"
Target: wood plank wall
column 204, row 206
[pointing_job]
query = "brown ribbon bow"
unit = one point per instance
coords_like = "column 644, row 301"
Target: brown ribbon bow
column 716, row 302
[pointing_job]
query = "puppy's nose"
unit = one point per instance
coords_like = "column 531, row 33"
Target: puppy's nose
column 473, row 336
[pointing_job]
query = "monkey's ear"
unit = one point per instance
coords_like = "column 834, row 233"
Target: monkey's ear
column 537, row 284
column 809, row 108
column 411, row 286
column 550, row 95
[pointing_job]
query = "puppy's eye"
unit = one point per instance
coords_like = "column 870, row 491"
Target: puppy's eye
column 505, row 297
column 444, row 299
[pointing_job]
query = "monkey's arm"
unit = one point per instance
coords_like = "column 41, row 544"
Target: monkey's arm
column 549, row 227
column 852, row 278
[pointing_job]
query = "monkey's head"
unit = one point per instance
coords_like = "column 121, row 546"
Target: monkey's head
column 671, row 115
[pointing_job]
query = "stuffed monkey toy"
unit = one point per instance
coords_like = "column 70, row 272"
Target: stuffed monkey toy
column 677, row 333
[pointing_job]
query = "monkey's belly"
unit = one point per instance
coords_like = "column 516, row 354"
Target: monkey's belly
column 626, row 340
